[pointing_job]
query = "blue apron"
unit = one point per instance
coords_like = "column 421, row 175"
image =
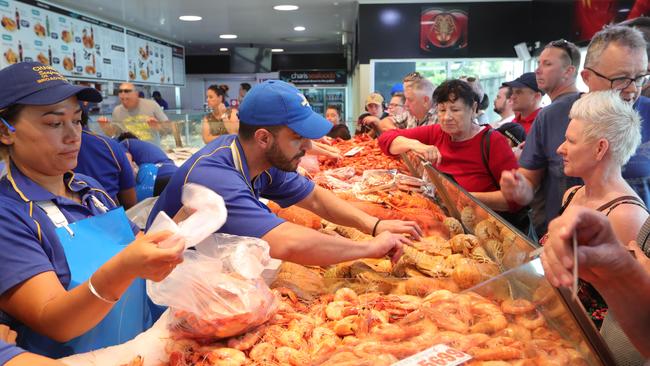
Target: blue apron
column 88, row 244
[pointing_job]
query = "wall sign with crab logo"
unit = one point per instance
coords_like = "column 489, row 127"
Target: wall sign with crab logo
column 443, row 29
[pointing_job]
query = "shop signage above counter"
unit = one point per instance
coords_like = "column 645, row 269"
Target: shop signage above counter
column 322, row 77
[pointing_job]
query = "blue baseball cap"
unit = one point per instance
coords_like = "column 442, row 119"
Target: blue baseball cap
column 274, row 103
column 397, row 88
column 526, row 80
column 33, row 83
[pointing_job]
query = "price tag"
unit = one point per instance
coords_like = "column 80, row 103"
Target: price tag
column 438, row 355
column 353, row 151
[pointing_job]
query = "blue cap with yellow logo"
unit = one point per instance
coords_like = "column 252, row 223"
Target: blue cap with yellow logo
column 274, row 103
column 33, row 83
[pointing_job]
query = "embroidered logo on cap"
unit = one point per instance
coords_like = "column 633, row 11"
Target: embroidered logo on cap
column 304, row 102
column 48, row 73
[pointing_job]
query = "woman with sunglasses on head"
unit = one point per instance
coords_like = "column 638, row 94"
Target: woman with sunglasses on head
column 71, row 267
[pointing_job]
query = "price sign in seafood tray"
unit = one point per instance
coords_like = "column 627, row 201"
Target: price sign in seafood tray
column 438, row 355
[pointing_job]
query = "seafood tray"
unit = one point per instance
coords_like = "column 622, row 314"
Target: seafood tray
column 515, row 318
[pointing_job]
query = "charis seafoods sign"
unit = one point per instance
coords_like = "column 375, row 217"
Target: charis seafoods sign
column 314, row 76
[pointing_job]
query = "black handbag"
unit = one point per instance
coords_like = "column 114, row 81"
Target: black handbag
column 520, row 219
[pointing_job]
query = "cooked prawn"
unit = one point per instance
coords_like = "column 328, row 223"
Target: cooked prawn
column 531, row 320
column 262, row 353
column 225, row 357
column 346, row 294
column 517, row 306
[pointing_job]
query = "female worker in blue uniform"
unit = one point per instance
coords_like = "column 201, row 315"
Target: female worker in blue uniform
column 71, row 268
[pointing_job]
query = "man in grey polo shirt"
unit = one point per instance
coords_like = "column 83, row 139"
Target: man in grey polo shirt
column 142, row 117
column 540, row 180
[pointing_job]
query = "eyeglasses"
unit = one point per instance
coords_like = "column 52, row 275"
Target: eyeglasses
column 120, row 91
column 395, row 105
column 622, row 82
column 9, row 127
column 563, row 44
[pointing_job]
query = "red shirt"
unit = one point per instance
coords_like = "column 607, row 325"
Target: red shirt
column 527, row 122
column 461, row 159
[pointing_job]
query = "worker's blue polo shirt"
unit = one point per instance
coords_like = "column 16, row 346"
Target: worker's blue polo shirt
column 144, row 152
column 7, row 352
column 29, row 244
column 221, row 166
column 105, row 160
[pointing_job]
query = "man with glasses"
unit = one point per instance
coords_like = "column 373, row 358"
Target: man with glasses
column 617, row 59
column 540, row 180
column 142, row 117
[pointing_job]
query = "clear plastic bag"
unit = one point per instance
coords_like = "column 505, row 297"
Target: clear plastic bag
column 343, row 173
column 376, row 180
column 209, row 215
column 219, row 290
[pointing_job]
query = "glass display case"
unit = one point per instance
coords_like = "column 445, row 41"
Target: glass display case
column 522, row 275
column 183, row 130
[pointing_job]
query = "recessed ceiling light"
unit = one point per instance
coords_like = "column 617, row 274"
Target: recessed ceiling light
column 277, row 49
column 299, row 28
column 285, row 7
column 190, row 18
column 227, row 36
column 223, row 49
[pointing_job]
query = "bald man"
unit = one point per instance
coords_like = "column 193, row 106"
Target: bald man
column 142, row 117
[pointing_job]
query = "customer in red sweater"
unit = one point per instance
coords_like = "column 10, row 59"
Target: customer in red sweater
column 454, row 145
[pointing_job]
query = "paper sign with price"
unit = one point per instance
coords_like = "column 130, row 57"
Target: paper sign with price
column 438, row 355
column 353, row 151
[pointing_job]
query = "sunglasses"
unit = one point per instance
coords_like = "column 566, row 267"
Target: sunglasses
column 120, row 91
column 564, row 45
column 469, row 79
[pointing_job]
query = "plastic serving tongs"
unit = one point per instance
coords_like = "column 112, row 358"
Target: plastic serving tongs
column 441, row 190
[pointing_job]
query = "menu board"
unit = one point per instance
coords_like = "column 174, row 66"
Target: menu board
column 149, row 59
column 84, row 47
column 178, row 64
column 74, row 44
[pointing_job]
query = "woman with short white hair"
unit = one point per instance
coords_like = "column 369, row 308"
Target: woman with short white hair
column 603, row 134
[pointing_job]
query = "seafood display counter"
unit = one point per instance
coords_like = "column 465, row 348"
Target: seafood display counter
column 469, row 288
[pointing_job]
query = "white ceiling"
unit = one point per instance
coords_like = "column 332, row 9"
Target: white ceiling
column 254, row 21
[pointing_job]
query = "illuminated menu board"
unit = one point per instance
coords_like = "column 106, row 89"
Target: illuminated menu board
column 76, row 45
column 149, row 59
column 84, row 47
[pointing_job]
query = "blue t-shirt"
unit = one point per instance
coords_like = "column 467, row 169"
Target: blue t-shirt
column 29, row 244
column 540, row 152
column 105, row 160
column 637, row 171
column 144, row 152
column 221, row 166
column 7, row 352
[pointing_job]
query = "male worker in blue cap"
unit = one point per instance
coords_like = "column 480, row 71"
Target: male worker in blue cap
column 276, row 128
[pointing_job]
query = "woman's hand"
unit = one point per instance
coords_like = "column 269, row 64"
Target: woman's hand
column 7, row 335
column 153, row 256
column 428, row 153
